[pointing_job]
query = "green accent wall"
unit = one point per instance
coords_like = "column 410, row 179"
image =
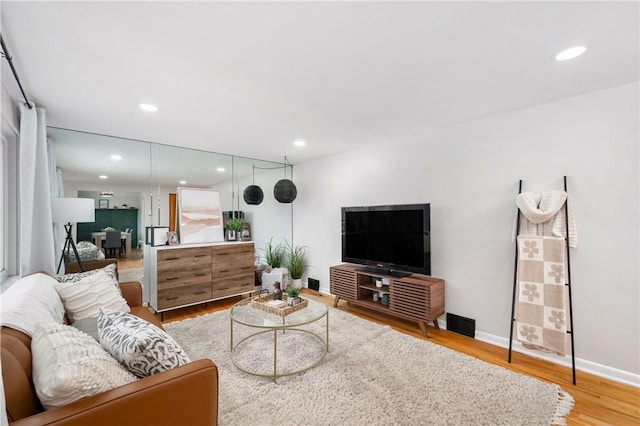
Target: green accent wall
column 119, row 219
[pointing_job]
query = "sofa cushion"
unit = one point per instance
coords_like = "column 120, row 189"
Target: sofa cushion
column 88, row 326
column 31, row 299
column 142, row 347
column 84, row 298
column 110, row 269
column 69, row 365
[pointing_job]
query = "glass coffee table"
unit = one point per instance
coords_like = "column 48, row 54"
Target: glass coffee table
column 269, row 345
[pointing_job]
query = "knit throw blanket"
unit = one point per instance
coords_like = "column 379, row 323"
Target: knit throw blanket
column 544, row 214
column 541, row 320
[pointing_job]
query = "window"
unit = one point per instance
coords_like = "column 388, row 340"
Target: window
column 3, row 210
column 8, row 200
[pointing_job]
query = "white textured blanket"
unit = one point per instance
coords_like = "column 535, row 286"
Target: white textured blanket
column 31, row 299
column 541, row 315
column 544, row 215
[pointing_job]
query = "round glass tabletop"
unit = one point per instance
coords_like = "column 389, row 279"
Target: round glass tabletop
column 244, row 313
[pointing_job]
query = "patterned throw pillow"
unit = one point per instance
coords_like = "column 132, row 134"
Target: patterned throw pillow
column 139, row 345
column 69, row 365
column 83, row 299
column 110, row 270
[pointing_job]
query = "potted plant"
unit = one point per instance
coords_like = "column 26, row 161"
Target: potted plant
column 273, row 253
column 234, row 226
column 292, row 293
column 296, row 262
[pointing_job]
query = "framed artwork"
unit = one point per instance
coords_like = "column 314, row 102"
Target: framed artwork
column 103, row 203
column 245, row 234
column 157, row 235
column 172, row 238
column 199, row 216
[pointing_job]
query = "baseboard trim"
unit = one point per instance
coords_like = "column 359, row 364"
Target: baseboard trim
column 583, row 365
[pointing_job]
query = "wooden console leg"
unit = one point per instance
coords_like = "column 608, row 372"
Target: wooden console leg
column 423, row 328
column 435, row 324
column 335, row 301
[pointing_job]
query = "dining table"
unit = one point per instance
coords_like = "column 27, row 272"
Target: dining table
column 98, row 239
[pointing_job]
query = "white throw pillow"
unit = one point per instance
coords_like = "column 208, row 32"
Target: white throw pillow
column 139, row 345
column 84, row 298
column 69, row 365
column 110, row 269
column 31, row 299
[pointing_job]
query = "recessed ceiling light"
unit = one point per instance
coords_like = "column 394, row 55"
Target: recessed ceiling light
column 116, row 157
column 220, row 169
column 148, row 107
column 299, row 143
column 183, row 182
column 570, row 53
column 103, row 177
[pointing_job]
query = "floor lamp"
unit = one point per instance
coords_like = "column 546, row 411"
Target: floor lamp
column 68, row 211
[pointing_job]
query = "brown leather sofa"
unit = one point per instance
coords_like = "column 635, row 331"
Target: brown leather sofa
column 187, row 395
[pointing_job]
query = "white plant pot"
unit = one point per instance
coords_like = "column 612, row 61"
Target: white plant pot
column 297, row 283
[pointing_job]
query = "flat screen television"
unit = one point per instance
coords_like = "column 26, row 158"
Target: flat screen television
column 390, row 240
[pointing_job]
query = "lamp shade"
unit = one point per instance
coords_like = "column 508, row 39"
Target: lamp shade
column 253, row 195
column 285, row 191
column 67, row 210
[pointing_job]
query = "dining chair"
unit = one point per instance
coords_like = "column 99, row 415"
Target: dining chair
column 113, row 241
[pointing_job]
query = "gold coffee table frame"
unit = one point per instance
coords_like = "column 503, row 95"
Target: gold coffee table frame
column 243, row 313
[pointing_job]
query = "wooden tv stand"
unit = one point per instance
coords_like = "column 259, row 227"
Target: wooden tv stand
column 416, row 297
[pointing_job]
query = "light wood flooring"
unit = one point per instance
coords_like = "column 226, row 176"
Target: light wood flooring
column 598, row 401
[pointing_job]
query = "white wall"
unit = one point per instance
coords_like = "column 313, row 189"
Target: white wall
column 469, row 173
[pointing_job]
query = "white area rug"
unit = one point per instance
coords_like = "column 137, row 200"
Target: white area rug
column 372, row 375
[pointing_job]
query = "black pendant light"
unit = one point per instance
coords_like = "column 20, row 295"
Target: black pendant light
column 285, row 191
column 253, row 193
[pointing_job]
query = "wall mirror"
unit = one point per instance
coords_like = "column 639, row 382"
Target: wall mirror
column 142, row 179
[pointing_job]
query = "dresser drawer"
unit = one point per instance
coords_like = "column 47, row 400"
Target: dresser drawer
column 183, row 295
column 181, row 259
column 237, row 283
column 223, row 291
column 184, row 277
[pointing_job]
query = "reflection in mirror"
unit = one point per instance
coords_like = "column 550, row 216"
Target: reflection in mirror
column 144, row 175
column 124, row 165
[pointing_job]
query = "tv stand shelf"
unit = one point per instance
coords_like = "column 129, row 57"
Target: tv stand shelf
column 415, row 297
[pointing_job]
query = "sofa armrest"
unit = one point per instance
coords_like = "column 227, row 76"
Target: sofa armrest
column 186, row 395
column 132, row 293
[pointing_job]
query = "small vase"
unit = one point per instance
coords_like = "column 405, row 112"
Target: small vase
column 297, row 283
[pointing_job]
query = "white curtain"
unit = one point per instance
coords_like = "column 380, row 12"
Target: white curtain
column 55, row 190
column 36, row 235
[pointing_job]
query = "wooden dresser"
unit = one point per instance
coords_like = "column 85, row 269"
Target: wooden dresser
column 197, row 273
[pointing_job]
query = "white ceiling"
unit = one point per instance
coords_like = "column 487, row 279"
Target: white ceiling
column 248, row 78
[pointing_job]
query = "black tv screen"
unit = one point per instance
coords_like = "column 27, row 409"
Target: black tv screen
column 391, row 239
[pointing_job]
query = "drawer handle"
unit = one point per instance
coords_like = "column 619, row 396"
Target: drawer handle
column 171, row 278
column 224, row 288
column 223, row 270
column 223, row 253
column 199, row 275
column 172, row 298
column 244, row 285
column 172, row 258
column 199, row 292
column 200, row 255
column 247, row 267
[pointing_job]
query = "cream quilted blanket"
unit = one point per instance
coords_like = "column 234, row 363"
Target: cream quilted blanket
column 541, row 317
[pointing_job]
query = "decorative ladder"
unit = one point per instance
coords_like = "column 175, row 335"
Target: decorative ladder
column 567, row 283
